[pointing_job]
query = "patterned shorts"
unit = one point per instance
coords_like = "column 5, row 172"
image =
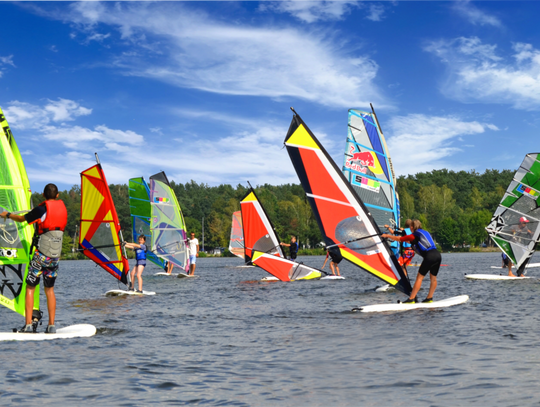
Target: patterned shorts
column 408, row 255
column 41, row 264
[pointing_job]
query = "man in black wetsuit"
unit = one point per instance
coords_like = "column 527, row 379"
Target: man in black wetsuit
column 293, row 248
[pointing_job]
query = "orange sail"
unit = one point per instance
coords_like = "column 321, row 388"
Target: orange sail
column 345, row 223
column 100, row 235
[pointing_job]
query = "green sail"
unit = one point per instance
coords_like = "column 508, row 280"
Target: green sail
column 15, row 238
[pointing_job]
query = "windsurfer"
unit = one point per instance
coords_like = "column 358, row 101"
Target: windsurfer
column 140, row 254
column 51, row 219
column 336, row 259
column 423, row 244
column 523, row 235
column 408, row 253
column 293, row 248
column 193, row 253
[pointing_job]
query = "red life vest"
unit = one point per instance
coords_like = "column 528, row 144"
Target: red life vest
column 56, row 218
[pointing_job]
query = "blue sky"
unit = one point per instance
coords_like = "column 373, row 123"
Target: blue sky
column 202, row 90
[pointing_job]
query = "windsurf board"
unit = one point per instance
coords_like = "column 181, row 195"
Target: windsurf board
column 114, row 293
column 448, row 302
column 332, row 278
column 166, row 274
column 493, row 277
column 73, row 331
column 182, row 275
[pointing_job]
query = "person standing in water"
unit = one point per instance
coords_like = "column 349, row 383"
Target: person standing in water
column 335, row 260
column 51, row 220
column 293, row 248
column 423, row 244
column 140, row 255
column 193, row 243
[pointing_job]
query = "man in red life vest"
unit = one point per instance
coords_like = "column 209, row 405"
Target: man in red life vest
column 51, row 219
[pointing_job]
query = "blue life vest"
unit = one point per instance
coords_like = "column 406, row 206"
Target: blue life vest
column 394, row 246
column 504, row 256
column 141, row 253
column 425, row 242
column 407, row 232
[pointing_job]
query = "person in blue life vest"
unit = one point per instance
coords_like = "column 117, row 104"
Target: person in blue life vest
column 408, row 253
column 293, row 248
column 50, row 217
column 140, row 256
column 423, row 244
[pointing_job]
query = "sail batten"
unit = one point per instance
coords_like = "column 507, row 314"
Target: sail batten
column 347, row 226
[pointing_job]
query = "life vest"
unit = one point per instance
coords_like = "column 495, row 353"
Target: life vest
column 140, row 254
column 407, row 232
column 425, row 242
column 51, row 231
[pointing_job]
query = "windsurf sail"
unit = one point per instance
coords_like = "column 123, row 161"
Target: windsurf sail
column 100, row 234
column 515, row 225
column 345, row 222
column 262, row 246
column 368, row 168
column 141, row 210
column 259, row 233
column 15, row 237
column 169, row 239
column 236, row 244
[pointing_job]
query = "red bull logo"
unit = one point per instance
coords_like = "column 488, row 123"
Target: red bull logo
column 360, row 161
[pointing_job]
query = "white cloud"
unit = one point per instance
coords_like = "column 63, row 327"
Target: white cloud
column 474, row 15
column 376, row 12
column 312, row 11
column 432, row 138
column 5, row 61
column 184, row 47
column 24, row 115
column 477, row 73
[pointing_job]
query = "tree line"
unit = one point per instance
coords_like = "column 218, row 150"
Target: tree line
column 454, row 206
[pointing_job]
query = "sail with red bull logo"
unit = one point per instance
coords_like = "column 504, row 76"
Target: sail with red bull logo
column 345, row 222
column 515, row 225
column 236, row 243
column 169, row 238
column 368, row 168
column 262, row 246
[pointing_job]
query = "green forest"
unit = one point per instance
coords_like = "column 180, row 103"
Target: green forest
column 454, row 206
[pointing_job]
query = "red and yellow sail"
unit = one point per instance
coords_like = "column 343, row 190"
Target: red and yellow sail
column 100, row 227
column 343, row 219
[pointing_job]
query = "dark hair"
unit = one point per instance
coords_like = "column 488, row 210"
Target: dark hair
column 142, row 236
column 50, row 191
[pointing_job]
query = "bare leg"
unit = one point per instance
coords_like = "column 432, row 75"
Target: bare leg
column 510, row 274
column 337, row 270
column 432, row 285
column 51, row 304
column 170, row 266
column 417, row 285
column 332, row 268
column 29, row 304
column 132, row 277
column 139, row 276
column 192, row 269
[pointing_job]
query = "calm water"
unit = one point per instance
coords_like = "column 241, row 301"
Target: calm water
column 228, row 339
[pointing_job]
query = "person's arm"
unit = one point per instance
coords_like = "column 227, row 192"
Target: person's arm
column 12, row 216
column 408, row 238
column 133, row 245
column 325, row 261
column 197, row 254
column 285, row 244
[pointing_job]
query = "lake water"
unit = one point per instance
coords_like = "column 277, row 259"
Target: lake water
column 228, row 339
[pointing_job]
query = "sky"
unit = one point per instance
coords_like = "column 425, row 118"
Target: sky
column 202, row 90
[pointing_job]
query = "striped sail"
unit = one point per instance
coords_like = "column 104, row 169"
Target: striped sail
column 15, row 237
column 345, row 222
column 515, row 225
column 100, row 235
column 167, row 223
column 141, row 210
column 236, row 243
column 368, row 168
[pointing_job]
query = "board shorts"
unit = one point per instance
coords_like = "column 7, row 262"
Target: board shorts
column 192, row 259
column 506, row 261
column 336, row 257
column 407, row 257
column 141, row 263
column 431, row 263
column 42, row 265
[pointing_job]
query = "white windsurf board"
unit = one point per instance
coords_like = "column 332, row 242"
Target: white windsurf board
column 332, row 278
column 493, row 277
column 114, row 293
column 448, row 302
column 182, row 275
column 271, row 278
column 383, row 288
column 166, row 274
column 73, row 331
column 528, row 266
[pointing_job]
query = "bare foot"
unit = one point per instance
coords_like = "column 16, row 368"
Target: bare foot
column 511, row 274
